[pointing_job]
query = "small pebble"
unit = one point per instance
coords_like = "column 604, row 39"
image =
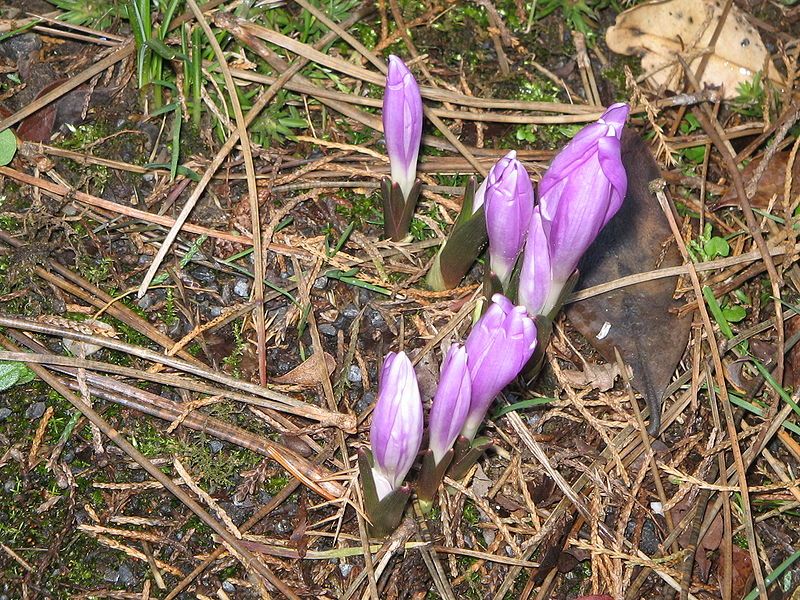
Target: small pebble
column 4, row 413
column 9, row 486
column 241, row 288
column 354, row 374
column 320, row 283
column 228, row 587
column 215, row 446
column 364, row 402
column 203, row 274
column 111, row 576
column 126, row 576
column 145, row 301
column 215, row 311
column 284, row 526
column 327, row 330
column 35, row 410
column 350, row 312
column 345, row 568
column 375, row 318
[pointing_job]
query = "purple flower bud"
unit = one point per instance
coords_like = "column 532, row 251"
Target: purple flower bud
column 402, row 123
column 499, row 345
column 508, row 205
column 396, row 432
column 535, row 280
column 451, row 403
column 583, row 188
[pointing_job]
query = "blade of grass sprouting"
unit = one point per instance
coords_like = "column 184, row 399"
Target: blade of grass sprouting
column 716, row 311
column 749, row 407
column 12, row 33
column 303, row 321
column 140, row 36
column 230, row 263
column 163, row 50
column 348, row 278
column 165, row 109
column 522, row 404
column 774, row 385
column 769, row 216
column 185, row 259
column 177, row 122
column 197, row 64
column 166, row 18
column 773, row 577
column 342, row 240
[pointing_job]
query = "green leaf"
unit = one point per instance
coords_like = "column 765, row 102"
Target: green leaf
column 734, row 314
column 695, row 154
column 522, row 404
column 716, row 246
column 8, row 146
column 14, row 373
column 716, row 312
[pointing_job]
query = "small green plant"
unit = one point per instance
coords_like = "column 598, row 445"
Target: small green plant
column 707, row 246
column 14, row 373
column 97, row 14
column 580, row 15
column 695, row 154
column 276, row 483
column 234, row 359
column 750, row 101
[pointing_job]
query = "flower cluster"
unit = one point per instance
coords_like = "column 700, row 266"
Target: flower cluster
column 472, row 375
column 535, row 244
column 579, row 193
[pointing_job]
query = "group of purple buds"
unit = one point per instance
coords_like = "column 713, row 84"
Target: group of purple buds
column 472, row 375
column 580, row 192
column 535, row 244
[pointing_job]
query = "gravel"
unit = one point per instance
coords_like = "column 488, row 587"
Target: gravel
column 35, row 410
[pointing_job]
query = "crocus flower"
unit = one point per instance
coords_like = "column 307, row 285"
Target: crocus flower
column 451, row 402
column 498, row 347
column 508, row 205
column 535, row 280
column 583, row 188
column 402, row 123
column 396, row 432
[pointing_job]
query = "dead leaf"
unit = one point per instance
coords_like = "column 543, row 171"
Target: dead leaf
column 39, row 126
column 771, row 184
column 88, row 327
column 705, row 546
column 658, row 31
column 595, row 376
column 47, row 504
column 639, row 320
column 792, row 370
column 481, row 484
column 307, row 373
column 742, row 578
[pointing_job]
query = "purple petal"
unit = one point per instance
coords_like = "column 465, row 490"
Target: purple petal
column 508, row 206
column 402, row 123
column 451, row 403
column 580, row 216
column 535, row 280
column 496, row 353
column 396, row 431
